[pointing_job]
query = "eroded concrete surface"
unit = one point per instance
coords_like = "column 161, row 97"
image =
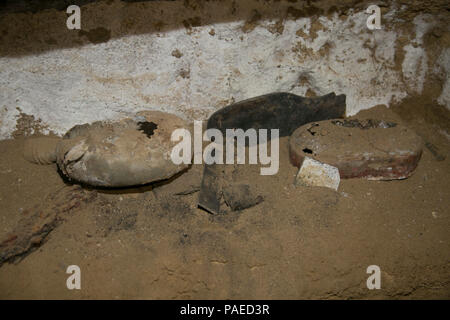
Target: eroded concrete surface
column 193, row 57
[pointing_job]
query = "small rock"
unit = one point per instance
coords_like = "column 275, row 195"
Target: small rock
column 314, row 173
column 176, row 53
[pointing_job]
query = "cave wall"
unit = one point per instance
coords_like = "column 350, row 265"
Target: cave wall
column 194, row 57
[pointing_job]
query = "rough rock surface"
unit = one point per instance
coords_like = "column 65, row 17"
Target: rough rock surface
column 121, row 60
column 313, row 173
column 372, row 149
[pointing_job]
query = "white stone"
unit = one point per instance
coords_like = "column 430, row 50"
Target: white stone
column 314, row 173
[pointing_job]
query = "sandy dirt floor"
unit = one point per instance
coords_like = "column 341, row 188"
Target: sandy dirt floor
column 299, row 243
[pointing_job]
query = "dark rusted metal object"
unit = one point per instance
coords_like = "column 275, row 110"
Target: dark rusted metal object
column 283, row 111
column 37, row 222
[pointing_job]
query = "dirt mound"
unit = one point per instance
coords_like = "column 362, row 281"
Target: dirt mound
column 153, row 242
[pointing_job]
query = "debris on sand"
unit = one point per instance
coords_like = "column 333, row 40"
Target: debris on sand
column 280, row 110
column 240, row 196
column 37, row 222
column 435, row 151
